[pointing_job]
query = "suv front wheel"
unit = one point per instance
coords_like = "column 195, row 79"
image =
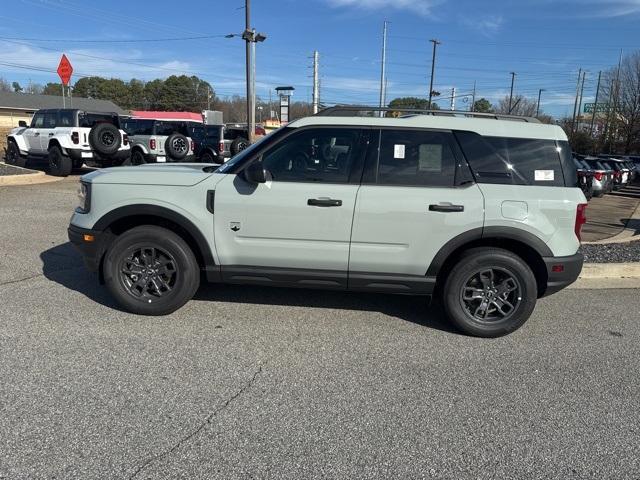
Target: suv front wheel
column 151, row 271
column 490, row 292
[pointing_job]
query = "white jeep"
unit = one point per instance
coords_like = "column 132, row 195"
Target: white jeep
column 68, row 138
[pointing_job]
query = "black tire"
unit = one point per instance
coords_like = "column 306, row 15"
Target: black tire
column 177, row 146
column 105, row 138
column 511, row 283
column 13, row 156
column 59, row 165
column 136, row 158
column 208, row 157
column 144, row 295
column 238, row 145
column 77, row 164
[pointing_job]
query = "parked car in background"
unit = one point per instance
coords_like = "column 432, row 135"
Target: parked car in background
column 209, row 143
column 585, row 178
column 158, row 141
column 621, row 173
column 67, row 138
column 602, row 176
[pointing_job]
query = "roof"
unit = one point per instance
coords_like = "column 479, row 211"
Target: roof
column 153, row 115
column 486, row 126
column 27, row 101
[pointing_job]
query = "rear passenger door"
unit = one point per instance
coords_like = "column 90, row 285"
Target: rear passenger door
column 48, row 129
column 417, row 194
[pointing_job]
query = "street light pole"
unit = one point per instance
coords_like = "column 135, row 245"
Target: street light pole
column 513, row 79
column 538, row 107
column 383, row 75
column 595, row 106
column 433, row 66
column 250, row 107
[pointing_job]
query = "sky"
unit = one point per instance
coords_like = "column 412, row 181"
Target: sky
column 544, row 42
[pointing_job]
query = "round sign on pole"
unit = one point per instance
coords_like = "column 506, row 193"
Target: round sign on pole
column 65, row 70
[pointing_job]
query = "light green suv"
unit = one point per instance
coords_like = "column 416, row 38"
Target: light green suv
column 481, row 210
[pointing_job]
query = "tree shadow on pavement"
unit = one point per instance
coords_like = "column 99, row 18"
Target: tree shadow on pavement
column 631, row 224
column 63, row 264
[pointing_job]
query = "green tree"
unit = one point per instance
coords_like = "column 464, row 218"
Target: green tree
column 483, row 106
column 53, row 88
column 16, row 87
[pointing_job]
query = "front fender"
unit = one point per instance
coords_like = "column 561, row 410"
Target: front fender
column 20, row 141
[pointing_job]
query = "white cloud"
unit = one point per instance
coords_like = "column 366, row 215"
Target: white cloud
column 601, row 8
column 487, row 26
column 421, row 7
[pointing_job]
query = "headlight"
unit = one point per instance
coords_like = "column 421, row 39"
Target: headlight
column 84, row 198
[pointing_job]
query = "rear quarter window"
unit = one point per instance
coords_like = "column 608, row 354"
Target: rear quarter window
column 518, row 161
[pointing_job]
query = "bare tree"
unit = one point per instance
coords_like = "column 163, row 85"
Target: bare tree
column 520, row 105
column 624, row 99
column 5, row 86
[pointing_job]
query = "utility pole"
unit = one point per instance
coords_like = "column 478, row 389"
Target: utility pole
column 250, row 106
column 538, row 106
column 473, row 98
column 433, row 66
column 575, row 104
column 383, row 74
column 316, row 87
column 513, row 79
column 584, row 74
column 453, row 98
column 209, row 98
column 253, row 82
column 616, row 90
column 595, row 106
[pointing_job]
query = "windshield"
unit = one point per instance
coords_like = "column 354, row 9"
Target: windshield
column 247, row 152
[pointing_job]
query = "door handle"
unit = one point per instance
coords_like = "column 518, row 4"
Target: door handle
column 446, row 207
column 36, row 134
column 51, row 134
column 324, row 202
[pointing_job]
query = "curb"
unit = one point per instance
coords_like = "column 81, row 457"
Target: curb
column 600, row 276
column 30, row 177
column 625, row 236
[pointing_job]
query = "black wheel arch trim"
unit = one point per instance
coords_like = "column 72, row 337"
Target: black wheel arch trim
column 484, row 233
column 210, row 267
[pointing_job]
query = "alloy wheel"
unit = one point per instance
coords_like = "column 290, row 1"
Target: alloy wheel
column 148, row 273
column 491, row 294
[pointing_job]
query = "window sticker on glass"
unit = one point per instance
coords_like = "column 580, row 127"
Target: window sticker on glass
column 398, row 151
column 430, row 157
column 544, row 175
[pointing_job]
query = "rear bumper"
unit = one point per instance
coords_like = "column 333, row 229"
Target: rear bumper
column 562, row 272
column 76, row 154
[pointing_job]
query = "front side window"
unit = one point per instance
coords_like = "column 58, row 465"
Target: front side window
column 37, row 121
column 49, row 120
column 416, row 158
column 314, row 155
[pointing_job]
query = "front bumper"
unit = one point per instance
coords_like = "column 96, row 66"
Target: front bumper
column 562, row 272
column 91, row 250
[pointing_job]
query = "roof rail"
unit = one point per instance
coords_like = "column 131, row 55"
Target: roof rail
column 366, row 111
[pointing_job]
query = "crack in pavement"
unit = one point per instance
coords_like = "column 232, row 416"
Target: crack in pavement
column 42, row 274
column 207, row 421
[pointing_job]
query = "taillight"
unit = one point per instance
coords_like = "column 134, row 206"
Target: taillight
column 125, row 139
column 598, row 175
column 152, row 143
column 581, row 219
column 75, row 137
column 221, row 147
column 193, row 146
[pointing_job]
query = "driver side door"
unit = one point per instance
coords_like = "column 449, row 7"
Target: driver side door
column 32, row 134
column 295, row 228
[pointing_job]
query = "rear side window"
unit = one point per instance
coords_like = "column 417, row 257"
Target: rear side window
column 416, row 158
column 88, row 120
column 165, row 129
column 515, row 161
column 137, row 127
column 65, row 118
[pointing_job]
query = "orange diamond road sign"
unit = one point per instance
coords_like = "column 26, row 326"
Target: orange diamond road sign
column 65, row 70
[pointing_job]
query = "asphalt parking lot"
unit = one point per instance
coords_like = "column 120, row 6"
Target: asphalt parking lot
column 251, row 382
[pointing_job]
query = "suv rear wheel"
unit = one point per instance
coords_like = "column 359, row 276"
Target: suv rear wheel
column 151, row 271
column 490, row 292
column 59, row 165
column 177, row 146
column 13, row 155
column 238, row 145
column 105, row 138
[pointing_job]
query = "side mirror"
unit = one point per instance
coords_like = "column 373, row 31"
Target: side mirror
column 22, row 124
column 254, row 173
